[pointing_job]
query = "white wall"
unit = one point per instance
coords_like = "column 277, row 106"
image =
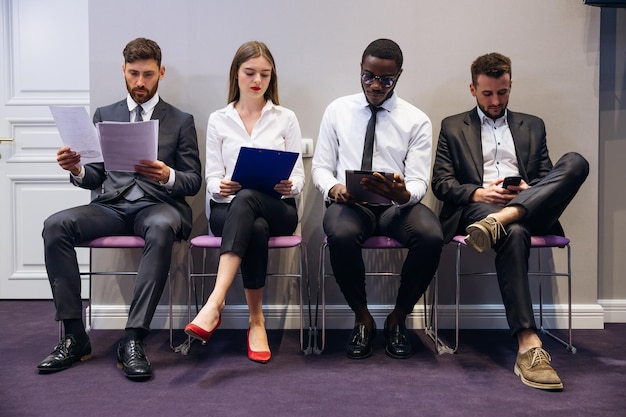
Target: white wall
column 318, row 45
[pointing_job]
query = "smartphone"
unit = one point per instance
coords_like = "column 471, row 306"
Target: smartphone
column 511, row 181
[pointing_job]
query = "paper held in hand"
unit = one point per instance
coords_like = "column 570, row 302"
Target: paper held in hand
column 121, row 145
column 124, row 144
column 78, row 132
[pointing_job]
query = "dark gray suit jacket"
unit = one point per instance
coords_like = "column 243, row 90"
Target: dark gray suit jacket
column 458, row 167
column 177, row 148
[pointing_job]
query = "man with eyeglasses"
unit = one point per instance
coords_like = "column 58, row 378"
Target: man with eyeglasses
column 376, row 131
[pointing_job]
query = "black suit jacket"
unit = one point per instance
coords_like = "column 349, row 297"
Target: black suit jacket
column 177, row 148
column 458, row 167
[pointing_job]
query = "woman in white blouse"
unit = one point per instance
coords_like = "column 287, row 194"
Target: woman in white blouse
column 245, row 218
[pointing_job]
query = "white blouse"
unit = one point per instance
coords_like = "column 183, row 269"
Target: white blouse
column 277, row 129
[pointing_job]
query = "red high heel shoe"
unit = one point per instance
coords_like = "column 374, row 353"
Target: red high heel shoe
column 199, row 333
column 260, row 357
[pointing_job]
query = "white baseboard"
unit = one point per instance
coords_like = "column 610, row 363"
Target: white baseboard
column 233, row 317
column 483, row 316
column 614, row 310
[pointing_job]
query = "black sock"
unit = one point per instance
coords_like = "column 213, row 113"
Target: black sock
column 397, row 316
column 75, row 327
column 134, row 334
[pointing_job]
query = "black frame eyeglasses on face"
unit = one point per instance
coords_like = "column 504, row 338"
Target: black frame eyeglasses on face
column 385, row 81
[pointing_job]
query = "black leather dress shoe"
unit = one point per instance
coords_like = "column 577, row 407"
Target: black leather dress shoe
column 398, row 345
column 132, row 359
column 360, row 345
column 69, row 351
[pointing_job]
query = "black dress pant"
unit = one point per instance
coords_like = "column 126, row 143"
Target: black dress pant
column 544, row 203
column 416, row 227
column 158, row 223
column 246, row 225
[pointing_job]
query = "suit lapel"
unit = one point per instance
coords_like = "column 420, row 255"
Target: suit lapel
column 471, row 134
column 159, row 111
column 521, row 140
column 121, row 112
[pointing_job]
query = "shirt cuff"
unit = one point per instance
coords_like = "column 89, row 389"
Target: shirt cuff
column 79, row 177
column 170, row 181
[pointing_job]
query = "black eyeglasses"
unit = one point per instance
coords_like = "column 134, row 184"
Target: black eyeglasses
column 385, row 81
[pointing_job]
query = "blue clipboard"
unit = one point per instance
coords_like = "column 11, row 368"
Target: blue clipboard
column 261, row 169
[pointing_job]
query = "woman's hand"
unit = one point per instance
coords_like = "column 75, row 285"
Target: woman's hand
column 228, row 187
column 284, row 187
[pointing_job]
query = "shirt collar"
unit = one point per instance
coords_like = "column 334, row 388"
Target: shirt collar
column 388, row 104
column 147, row 107
column 498, row 122
column 230, row 108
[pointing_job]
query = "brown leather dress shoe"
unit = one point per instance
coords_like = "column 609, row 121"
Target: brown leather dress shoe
column 483, row 234
column 533, row 368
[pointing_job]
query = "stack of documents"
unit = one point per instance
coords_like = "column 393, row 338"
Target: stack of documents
column 120, row 145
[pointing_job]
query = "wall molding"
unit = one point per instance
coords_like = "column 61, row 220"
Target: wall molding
column 614, row 310
column 485, row 316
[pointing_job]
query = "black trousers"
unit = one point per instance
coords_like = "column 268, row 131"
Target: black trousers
column 544, row 203
column 158, row 223
column 246, row 224
column 416, row 227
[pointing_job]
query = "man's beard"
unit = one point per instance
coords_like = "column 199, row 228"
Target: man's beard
column 142, row 99
column 491, row 115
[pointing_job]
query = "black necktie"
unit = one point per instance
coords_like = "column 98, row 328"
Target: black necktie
column 134, row 193
column 368, row 148
column 138, row 116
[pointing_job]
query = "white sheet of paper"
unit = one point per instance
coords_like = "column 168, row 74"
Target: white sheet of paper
column 78, row 132
column 124, row 144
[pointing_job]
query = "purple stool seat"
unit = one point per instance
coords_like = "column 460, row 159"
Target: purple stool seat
column 212, row 242
column 547, row 241
column 382, row 242
column 377, row 242
column 114, row 242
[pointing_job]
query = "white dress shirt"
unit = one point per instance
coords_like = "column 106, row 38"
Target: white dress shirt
column 147, row 107
column 499, row 156
column 277, row 128
column 402, row 143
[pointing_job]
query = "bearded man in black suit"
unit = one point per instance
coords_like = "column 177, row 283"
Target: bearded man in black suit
column 149, row 202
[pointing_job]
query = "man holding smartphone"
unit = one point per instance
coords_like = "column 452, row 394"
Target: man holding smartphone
column 476, row 154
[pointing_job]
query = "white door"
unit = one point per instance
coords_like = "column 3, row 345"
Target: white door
column 44, row 60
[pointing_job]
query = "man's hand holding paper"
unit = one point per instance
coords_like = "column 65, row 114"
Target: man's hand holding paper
column 77, row 133
column 154, row 170
column 69, row 160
